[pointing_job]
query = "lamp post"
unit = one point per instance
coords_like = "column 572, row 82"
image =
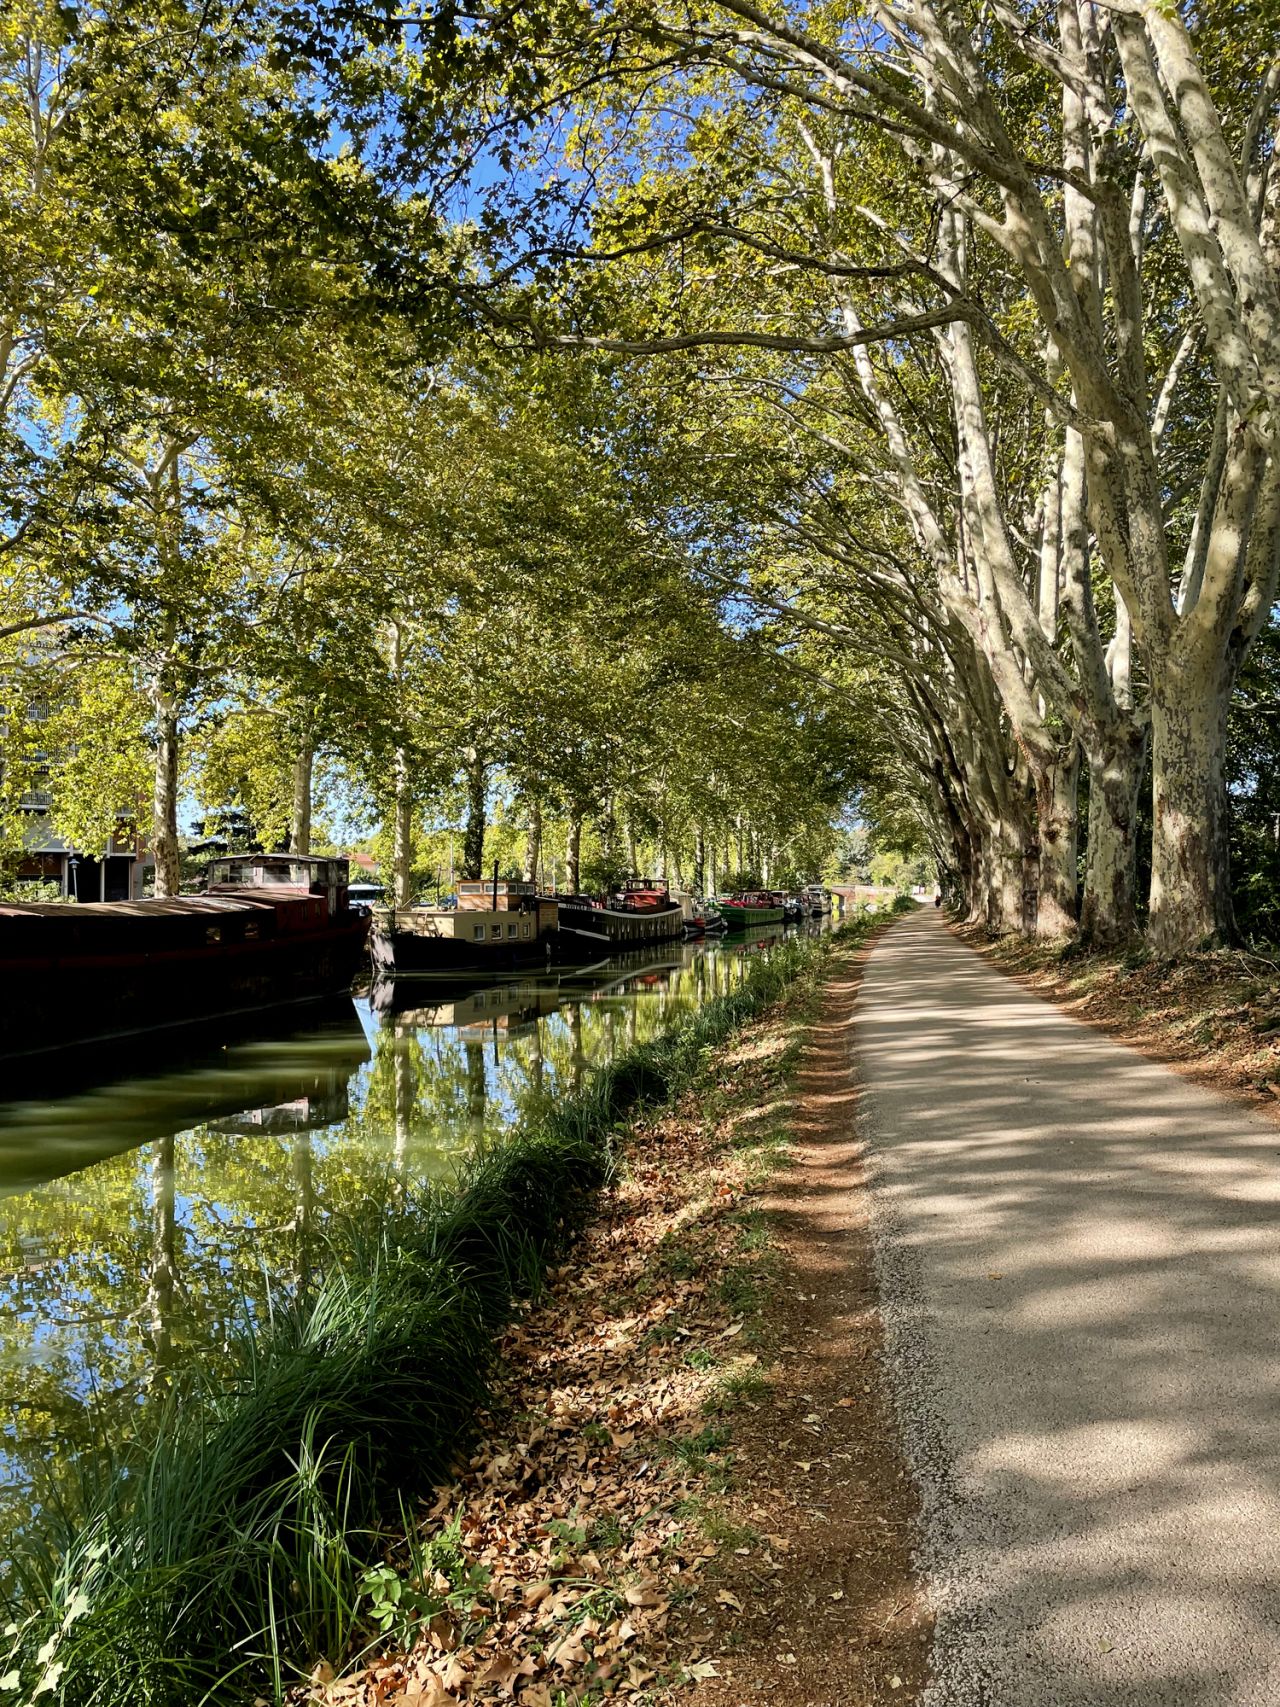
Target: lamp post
column 73, row 867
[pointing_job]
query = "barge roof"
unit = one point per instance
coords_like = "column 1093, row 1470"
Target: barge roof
column 182, row 906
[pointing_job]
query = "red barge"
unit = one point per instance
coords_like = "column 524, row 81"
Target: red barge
column 271, row 928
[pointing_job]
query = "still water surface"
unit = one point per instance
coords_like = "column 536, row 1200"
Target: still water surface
column 143, row 1219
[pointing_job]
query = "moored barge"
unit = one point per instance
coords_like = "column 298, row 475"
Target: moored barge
column 271, row 928
column 495, row 926
column 641, row 912
column 745, row 912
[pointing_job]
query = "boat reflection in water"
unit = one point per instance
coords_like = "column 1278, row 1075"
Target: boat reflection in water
column 235, row 1072
column 144, row 1220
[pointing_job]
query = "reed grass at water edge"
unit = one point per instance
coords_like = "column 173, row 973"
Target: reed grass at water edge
column 227, row 1547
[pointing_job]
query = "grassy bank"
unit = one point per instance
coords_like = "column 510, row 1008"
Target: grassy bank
column 233, row 1542
column 686, row 1449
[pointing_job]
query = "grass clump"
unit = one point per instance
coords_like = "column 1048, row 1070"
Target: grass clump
column 246, row 1532
column 736, row 1387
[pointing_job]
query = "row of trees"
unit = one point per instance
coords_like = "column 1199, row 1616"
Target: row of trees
column 270, row 543
column 994, row 289
column 899, row 380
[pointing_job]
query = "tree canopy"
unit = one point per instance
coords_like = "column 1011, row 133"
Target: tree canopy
column 675, row 427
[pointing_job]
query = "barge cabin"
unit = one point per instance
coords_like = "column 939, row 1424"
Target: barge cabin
column 495, row 926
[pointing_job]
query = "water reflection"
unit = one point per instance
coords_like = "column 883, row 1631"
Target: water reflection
column 142, row 1221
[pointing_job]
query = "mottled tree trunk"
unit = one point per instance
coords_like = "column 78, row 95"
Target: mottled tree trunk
column 573, row 853
column 164, row 801
column 402, row 834
column 1190, row 878
column 1057, row 788
column 1003, row 853
column 533, row 843
column 1108, row 907
column 300, row 816
column 473, row 841
column 699, row 861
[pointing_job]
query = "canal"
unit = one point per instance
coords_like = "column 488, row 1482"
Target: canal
column 147, row 1219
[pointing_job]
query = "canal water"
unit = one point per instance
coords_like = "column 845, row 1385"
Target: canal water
column 145, row 1219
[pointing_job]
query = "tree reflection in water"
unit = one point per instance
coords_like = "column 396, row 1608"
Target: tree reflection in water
column 173, row 1203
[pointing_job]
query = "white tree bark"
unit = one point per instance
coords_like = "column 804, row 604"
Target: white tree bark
column 164, row 801
column 300, row 814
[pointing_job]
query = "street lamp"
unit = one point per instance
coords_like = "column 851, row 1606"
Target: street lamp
column 73, row 866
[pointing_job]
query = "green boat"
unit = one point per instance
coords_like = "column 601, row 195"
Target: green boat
column 745, row 912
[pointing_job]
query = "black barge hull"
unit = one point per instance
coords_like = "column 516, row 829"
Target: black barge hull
column 587, row 933
column 90, row 979
column 396, row 953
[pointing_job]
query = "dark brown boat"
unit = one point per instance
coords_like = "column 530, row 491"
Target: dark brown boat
column 272, row 928
column 640, row 913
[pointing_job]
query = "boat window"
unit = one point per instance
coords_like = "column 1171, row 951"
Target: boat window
column 478, row 933
column 251, row 930
column 213, row 933
column 511, row 930
column 524, row 930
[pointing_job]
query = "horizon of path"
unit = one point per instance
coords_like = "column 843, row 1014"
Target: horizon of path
column 1079, row 1262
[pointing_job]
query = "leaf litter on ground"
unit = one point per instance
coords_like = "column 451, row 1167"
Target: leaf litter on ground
column 583, row 1521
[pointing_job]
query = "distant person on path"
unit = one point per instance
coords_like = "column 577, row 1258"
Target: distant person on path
column 937, row 898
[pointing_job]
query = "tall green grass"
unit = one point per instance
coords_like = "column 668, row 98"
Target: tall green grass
column 229, row 1547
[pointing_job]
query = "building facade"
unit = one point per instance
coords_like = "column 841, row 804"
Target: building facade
column 119, row 875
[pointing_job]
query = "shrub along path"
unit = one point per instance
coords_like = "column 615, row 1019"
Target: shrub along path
column 688, row 1486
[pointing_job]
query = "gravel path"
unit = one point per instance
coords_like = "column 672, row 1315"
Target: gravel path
column 1079, row 1259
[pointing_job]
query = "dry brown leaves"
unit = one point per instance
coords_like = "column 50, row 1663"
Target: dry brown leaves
column 577, row 1499
column 1213, row 1016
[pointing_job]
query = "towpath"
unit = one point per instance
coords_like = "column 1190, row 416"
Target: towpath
column 1079, row 1258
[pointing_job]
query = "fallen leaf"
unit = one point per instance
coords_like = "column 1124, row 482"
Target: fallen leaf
column 500, row 1670
column 703, row 1668
column 644, row 1593
column 569, row 1653
column 724, row 1598
column 432, row 1693
column 454, row 1675
column 786, row 1659
column 895, row 1682
column 838, row 1594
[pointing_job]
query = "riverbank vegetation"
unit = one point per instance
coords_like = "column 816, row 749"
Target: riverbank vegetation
column 633, row 1523
column 242, row 1534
